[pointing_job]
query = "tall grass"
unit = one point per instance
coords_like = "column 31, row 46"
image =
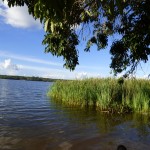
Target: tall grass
column 105, row 94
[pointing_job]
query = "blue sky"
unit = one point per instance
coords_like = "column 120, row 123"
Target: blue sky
column 22, row 52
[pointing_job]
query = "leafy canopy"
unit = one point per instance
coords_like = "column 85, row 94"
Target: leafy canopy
column 128, row 18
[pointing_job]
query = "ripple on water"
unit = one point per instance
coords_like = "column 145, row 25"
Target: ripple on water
column 7, row 143
column 29, row 121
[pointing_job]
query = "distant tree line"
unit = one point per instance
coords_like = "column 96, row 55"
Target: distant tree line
column 33, row 78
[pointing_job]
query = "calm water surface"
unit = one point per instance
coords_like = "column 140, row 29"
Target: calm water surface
column 29, row 120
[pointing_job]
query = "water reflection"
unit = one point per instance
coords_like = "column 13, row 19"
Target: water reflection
column 31, row 121
column 106, row 131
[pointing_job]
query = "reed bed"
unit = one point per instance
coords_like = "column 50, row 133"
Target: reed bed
column 106, row 94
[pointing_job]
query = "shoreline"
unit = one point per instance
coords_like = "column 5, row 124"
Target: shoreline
column 28, row 78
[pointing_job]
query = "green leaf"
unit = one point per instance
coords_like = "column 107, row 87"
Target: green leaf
column 46, row 25
column 52, row 27
column 120, row 6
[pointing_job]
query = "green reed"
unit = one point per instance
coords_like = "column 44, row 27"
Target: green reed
column 106, row 94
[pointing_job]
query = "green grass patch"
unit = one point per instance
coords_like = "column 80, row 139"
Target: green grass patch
column 106, row 94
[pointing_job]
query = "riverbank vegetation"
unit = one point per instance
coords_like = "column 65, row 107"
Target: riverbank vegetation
column 26, row 78
column 108, row 95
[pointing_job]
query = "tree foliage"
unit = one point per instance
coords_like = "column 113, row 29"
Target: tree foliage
column 128, row 18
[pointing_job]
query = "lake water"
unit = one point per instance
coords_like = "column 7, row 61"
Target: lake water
column 29, row 120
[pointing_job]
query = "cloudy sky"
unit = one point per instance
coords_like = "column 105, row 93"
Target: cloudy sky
column 21, row 51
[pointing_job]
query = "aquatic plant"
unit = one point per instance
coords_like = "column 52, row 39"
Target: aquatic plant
column 105, row 94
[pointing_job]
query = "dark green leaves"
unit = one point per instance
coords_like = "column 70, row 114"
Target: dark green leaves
column 102, row 40
column 120, row 57
column 63, row 46
column 128, row 18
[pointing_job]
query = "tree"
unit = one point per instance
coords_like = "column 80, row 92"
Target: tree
column 128, row 18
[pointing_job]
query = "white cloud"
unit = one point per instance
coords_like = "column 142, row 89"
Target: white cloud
column 7, row 64
column 8, row 67
column 81, row 75
column 18, row 17
column 86, row 75
column 46, row 71
column 146, row 76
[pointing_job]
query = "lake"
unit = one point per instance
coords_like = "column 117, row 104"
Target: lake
column 29, row 120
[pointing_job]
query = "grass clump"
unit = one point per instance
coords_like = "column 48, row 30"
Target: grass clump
column 104, row 94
